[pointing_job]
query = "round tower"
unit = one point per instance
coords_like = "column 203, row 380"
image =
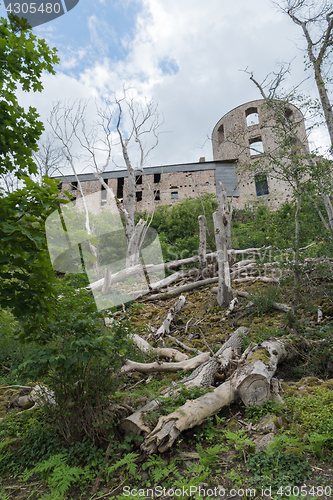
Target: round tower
column 245, row 133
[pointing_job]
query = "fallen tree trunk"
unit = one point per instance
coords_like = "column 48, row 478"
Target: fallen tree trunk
column 193, row 412
column 156, row 367
column 249, row 382
column 164, row 352
column 181, row 289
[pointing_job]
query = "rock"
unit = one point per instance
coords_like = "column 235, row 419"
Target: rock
column 41, row 395
column 267, row 424
column 264, row 442
column 22, row 401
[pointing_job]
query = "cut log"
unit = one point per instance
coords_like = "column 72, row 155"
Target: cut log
column 135, row 423
column 156, row 367
column 252, row 380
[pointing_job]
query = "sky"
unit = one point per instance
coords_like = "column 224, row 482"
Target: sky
column 187, row 55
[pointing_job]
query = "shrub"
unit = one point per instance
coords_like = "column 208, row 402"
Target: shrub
column 80, row 362
column 264, row 299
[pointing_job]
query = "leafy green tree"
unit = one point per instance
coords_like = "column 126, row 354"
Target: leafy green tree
column 27, row 277
column 23, row 58
column 178, row 227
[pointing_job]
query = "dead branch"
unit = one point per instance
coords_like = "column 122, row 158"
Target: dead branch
column 173, row 311
column 144, row 346
column 156, row 367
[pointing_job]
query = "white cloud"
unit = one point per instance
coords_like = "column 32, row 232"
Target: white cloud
column 188, row 55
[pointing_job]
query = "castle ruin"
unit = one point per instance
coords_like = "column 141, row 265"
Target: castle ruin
column 238, row 140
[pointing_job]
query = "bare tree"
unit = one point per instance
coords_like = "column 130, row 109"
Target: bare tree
column 316, row 20
column 48, row 157
column 123, row 123
column 10, row 181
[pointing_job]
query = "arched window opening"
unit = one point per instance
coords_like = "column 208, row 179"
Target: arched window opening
column 261, row 184
column 256, row 146
column 220, row 134
column 252, row 117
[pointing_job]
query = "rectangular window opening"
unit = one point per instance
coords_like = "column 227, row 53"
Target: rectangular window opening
column 138, row 179
column 103, row 192
column 174, row 195
column 74, row 185
column 157, row 178
column 256, row 146
column 138, row 195
column 157, row 195
column 261, row 184
column 120, row 188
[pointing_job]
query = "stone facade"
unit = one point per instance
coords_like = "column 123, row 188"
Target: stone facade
column 238, row 139
column 159, row 185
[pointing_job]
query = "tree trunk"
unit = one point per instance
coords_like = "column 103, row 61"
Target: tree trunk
column 189, row 364
column 202, row 244
column 250, row 382
column 224, row 295
column 192, row 413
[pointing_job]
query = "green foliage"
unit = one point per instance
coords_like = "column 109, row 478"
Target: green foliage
column 178, row 228
column 277, row 469
column 81, row 362
column 239, row 441
column 159, row 470
column 313, row 411
column 269, row 407
column 209, row 455
column 27, row 438
column 262, row 226
column 209, row 431
column 26, row 275
column 59, row 475
column 128, row 462
column 285, row 442
column 23, row 60
column 264, row 298
column 321, row 444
